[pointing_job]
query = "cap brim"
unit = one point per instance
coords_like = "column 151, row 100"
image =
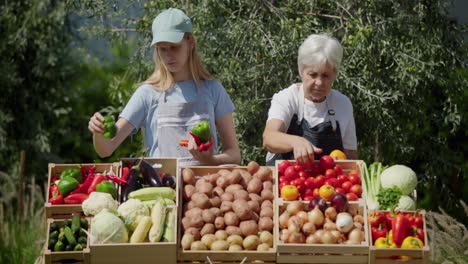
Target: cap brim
column 172, row 37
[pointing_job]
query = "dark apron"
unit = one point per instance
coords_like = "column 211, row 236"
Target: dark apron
column 323, row 136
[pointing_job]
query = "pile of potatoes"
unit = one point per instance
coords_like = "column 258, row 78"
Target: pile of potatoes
column 228, row 210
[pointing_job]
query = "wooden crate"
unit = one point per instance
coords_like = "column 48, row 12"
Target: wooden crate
column 63, row 211
column 223, row 257
column 142, row 253
column 77, row 257
column 324, row 253
column 391, row 255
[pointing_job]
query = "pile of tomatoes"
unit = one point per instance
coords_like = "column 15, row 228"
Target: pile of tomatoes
column 321, row 179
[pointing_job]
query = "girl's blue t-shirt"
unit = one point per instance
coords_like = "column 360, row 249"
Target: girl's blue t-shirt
column 141, row 109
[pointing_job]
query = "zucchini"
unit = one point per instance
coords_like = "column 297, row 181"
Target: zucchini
column 141, row 231
column 169, row 230
column 152, row 193
column 75, row 223
column 158, row 217
column 69, row 235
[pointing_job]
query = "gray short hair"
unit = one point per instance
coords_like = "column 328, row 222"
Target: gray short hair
column 318, row 49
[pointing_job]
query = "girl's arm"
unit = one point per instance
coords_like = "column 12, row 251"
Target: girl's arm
column 276, row 141
column 231, row 154
column 105, row 147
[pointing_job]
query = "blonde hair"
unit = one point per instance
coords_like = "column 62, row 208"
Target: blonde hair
column 318, row 49
column 162, row 79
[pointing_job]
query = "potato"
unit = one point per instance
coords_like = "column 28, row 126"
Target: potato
column 263, row 247
column 233, row 188
column 186, row 241
column 253, row 167
column 268, row 185
column 234, row 177
column 196, row 221
column 254, row 216
column 255, row 186
column 208, row 216
column 204, row 187
column 195, row 232
column 265, row 224
column 215, row 201
column 227, row 197
column 264, row 174
column 188, row 191
column 242, row 209
column 266, row 212
column 189, row 205
column 231, row 219
column 193, row 211
column 223, row 172
column 235, row 248
column 186, row 223
column 234, row 240
column 198, row 245
column 251, row 242
column 222, row 182
column 216, row 211
column 207, row 229
column 188, row 176
column 249, row 227
column 213, row 177
column 226, row 206
column 201, row 200
column 246, row 178
column 221, row 235
column 208, row 240
column 255, row 197
column 267, row 195
column 233, row 230
column 218, row 191
column 219, row 223
column 219, row 245
column 266, row 237
column 267, row 203
column 254, row 206
column 241, row 194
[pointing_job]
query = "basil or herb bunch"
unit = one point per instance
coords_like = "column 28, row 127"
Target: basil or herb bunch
column 388, row 198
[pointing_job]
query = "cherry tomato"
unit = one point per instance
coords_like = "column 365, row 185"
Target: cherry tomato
column 354, row 179
column 302, row 174
column 290, row 173
column 332, row 181
column 356, row 189
column 319, row 181
column 282, row 179
column 346, row 185
column 316, row 192
column 289, row 192
column 309, row 183
column 298, row 167
column 326, row 162
column 351, row 197
column 353, row 172
column 340, row 190
column 309, row 192
column 308, row 198
column 284, row 184
column 283, row 166
column 341, row 178
column 338, row 170
column 330, row 174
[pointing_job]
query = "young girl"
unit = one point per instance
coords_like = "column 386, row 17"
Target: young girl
column 179, row 94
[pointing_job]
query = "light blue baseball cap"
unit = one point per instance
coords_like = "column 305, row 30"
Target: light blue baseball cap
column 170, row 26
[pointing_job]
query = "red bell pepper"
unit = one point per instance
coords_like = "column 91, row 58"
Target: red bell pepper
column 389, row 217
column 116, row 179
column 417, row 232
column 83, row 188
column 53, row 191
column 56, row 200
column 399, row 228
column 378, row 232
column 376, row 218
column 97, row 179
column 125, row 172
column 411, row 217
column 418, row 221
column 54, row 178
column 76, row 198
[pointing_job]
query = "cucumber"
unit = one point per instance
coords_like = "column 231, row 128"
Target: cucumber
column 75, row 223
column 158, row 217
column 52, row 242
column 54, row 234
column 152, row 193
column 59, row 246
column 69, row 235
column 53, row 227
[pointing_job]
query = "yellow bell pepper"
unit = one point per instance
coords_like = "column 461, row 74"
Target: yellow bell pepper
column 384, row 242
column 412, row 242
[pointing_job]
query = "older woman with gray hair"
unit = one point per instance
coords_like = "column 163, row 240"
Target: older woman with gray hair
column 310, row 119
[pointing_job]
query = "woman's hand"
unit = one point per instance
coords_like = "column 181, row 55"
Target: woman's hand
column 205, row 157
column 303, row 150
column 95, row 124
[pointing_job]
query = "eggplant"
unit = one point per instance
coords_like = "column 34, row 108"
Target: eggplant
column 150, row 175
column 169, row 181
column 134, row 181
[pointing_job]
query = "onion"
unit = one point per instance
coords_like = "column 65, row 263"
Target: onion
column 356, row 235
column 294, row 207
column 328, row 238
column 344, row 222
column 317, row 201
column 295, row 220
column 293, row 228
column 303, row 216
column 296, row 238
column 329, row 226
column 358, row 225
column 284, row 235
column 338, row 235
column 308, row 228
column 316, row 217
column 312, row 239
column 283, row 219
column 330, row 213
column 358, row 218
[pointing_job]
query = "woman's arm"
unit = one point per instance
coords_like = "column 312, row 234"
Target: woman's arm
column 351, row 154
column 105, row 147
column 276, row 141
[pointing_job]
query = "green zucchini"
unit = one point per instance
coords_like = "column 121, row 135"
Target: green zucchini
column 152, row 193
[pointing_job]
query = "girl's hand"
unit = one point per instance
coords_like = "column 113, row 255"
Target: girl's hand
column 204, row 157
column 304, row 150
column 95, row 124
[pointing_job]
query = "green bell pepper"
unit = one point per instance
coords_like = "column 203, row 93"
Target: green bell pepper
column 107, row 187
column 109, row 127
column 67, row 185
column 74, row 173
column 202, row 130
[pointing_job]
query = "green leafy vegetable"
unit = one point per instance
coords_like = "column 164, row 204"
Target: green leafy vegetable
column 389, row 198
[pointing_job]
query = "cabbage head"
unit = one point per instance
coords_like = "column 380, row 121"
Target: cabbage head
column 406, row 204
column 400, row 176
column 107, row 227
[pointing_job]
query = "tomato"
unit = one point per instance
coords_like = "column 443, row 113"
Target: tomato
column 340, row 190
column 327, row 192
column 298, row 182
column 284, row 184
column 338, row 170
column 316, row 192
column 330, row 173
column 290, row 173
column 353, row 172
column 298, row 167
column 337, row 155
column 309, row 183
column 319, row 181
column 302, row 174
column 282, row 166
column 355, row 179
column 351, row 197
column 289, row 192
column 356, row 189
column 341, row 178
column 315, row 170
column 308, row 198
column 326, row 162
column 282, row 179
column 332, row 181
column 346, row 185
column 309, row 192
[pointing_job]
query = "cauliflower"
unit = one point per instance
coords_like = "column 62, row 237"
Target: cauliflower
column 400, row 176
column 406, row 204
column 98, row 201
column 132, row 211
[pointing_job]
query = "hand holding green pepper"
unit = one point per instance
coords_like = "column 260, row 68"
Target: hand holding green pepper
column 202, row 130
column 109, row 127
